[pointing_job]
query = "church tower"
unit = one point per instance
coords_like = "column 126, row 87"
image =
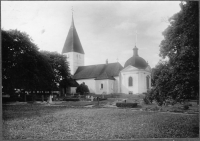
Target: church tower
column 73, row 49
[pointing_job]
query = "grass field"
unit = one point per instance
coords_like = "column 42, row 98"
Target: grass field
column 62, row 122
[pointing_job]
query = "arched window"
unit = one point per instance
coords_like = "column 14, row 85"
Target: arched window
column 101, row 86
column 130, row 81
column 147, row 81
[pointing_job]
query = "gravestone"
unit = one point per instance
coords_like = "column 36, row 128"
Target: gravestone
column 92, row 98
column 50, row 98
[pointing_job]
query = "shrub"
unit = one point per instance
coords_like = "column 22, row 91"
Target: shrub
column 100, row 98
column 129, row 105
column 186, row 106
column 146, row 100
column 177, row 110
column 82, row 89
column 155, row 108
column 148, row 97
column 173, row 102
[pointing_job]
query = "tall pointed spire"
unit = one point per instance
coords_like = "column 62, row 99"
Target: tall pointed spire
column 72, row 11
column 72, row 25
column 72, row 42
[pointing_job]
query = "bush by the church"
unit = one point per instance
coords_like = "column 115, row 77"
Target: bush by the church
column 82, row 89
column 128, row 105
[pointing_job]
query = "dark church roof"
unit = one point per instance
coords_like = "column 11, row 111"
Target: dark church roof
column 72, row 42
column 136, row 61
column 101, row 71
column 104, row 76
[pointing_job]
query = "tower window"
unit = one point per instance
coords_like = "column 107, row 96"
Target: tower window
column 130, row 81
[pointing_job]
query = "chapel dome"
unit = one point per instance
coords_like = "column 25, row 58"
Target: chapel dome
column 136, row 61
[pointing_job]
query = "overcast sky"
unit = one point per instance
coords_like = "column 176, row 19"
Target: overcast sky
column 106, row 29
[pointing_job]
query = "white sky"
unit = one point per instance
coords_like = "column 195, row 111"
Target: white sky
column 106, row 28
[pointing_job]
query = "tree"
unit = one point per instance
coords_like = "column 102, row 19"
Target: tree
column 161, row 83
column 82, row 89
column 180, row 75
column 59, row 66
column 24, row 67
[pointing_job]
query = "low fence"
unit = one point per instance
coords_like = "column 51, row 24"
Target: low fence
column 24, row 97
column 56, row 97
column 118, row 95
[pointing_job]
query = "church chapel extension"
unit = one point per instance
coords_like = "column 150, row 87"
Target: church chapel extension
column 133, row 78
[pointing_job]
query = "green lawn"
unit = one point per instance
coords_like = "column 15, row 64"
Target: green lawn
column 62, row 122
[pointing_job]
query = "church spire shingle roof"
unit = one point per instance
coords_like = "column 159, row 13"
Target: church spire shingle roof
column 72, row 42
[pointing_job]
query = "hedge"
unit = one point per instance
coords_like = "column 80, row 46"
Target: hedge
column 100, row 99
column 71, row 99
column 130, row 105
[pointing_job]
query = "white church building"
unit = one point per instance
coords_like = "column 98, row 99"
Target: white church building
column 107, row 78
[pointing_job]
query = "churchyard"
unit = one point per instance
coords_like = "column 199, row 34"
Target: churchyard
column 87, row 119
column 39, row 80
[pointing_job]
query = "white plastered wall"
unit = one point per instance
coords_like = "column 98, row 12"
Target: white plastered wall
column 139, row 80
column 142, row 81
column 100, row 90
column 124, row 82
column 108, row 86
column 75, row 60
